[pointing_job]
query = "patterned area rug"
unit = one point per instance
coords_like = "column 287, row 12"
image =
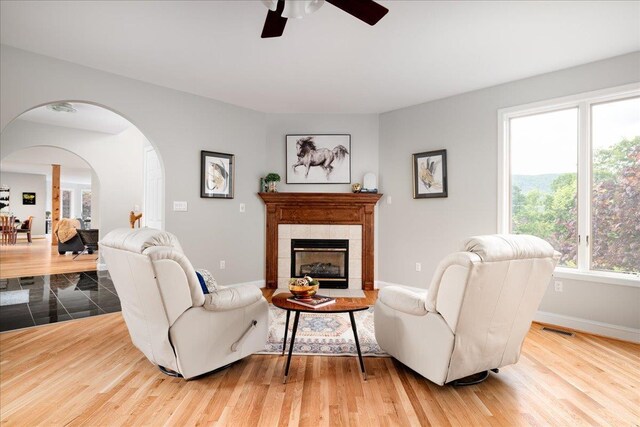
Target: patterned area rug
column 323, row 334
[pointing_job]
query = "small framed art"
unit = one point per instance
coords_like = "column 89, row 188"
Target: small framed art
column 430, row 174
column 216, row 175
column 28, row 198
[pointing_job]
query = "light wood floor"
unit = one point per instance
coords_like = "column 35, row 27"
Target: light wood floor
column 40, row 258
column 87, row 372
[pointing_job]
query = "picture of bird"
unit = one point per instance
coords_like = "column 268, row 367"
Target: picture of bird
column 427, row 173
column 217, row 177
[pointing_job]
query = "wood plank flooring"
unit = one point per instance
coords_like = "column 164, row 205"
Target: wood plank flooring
column 40, row 258
column 87, row 372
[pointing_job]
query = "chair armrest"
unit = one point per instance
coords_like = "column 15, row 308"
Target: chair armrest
column 232, row 297
column 405, row 299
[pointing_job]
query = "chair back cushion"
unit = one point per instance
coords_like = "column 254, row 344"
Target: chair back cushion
column 502, row 293
column 155, row 282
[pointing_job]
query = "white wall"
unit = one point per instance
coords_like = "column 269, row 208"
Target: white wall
column 28, row 183
column 363, row 129
column 116, row 160
column 178, row 125
column 425, row 230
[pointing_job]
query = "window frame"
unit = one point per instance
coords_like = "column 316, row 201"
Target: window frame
column 82, row 192
column 583, row 102
column 71, row 203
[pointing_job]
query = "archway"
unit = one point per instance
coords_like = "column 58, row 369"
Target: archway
column 115, row 149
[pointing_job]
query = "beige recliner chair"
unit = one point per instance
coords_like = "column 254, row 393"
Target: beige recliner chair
column 169, row 318
column 476, row 313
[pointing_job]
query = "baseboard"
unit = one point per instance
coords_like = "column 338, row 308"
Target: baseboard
column 589, row 326
column 256, row 283
column 379, row 284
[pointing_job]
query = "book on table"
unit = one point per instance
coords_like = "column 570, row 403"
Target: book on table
column 314, row 301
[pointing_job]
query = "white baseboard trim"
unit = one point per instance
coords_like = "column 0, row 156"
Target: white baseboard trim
column 257, row 283
column 589, row 326
column 379, row 284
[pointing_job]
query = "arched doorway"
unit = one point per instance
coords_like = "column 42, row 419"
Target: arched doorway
column 123, row 161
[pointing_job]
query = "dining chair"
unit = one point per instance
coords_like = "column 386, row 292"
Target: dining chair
column 26, row 228
column 8, row 230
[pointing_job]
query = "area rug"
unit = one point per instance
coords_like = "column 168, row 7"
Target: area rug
column 323, row 334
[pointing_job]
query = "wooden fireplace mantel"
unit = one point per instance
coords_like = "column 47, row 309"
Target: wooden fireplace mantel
column 320, row 208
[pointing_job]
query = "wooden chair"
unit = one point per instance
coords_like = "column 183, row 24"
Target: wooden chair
column 26, row 228
column 8, row 230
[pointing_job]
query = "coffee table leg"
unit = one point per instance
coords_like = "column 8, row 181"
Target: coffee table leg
column 293, row 339
column 355, row 336
column 286, row 329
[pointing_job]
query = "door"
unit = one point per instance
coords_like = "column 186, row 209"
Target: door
column 153, row 189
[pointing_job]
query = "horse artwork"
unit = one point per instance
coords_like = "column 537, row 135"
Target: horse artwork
column 321, row 159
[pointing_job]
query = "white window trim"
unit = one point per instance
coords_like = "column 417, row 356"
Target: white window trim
column 583, row 102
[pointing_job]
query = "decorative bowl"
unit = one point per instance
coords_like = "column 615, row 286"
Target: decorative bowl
column 303, row 288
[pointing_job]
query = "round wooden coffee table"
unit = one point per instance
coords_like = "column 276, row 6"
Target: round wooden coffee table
column 340, row 306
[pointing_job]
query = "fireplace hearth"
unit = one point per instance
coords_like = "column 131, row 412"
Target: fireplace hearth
column 326, row 260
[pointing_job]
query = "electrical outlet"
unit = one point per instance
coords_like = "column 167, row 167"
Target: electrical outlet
column 180, row 206
column 242, row 207
column 388, row 200
column 557, row 286
column 418, row 266
column 223, row 264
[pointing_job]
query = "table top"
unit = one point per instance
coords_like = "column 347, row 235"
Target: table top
column 342, row 305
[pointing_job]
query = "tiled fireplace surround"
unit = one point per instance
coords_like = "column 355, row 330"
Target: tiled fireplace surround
column 287, row 232
column 320, row 216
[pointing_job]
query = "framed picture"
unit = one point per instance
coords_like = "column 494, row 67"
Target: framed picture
column 216, row 175
column 4, row 198
column 430, row 174
column 318, row 159
column 28, row 198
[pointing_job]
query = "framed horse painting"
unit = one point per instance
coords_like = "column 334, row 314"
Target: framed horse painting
column 319, row 159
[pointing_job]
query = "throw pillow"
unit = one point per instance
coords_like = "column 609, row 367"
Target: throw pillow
column 207, row 282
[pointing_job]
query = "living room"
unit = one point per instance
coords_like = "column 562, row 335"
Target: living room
column 428, row 76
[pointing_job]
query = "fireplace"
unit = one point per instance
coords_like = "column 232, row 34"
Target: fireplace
column 326, row 260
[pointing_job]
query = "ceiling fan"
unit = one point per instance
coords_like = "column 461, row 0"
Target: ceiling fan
column 280, row 10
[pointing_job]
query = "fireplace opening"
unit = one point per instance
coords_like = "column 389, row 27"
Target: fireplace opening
column 322, row 259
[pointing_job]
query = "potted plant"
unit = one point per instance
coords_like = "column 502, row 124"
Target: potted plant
column 271, row 179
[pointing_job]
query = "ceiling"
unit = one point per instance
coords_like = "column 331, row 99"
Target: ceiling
column 38, row 160
column 328, row 61
column 87, row 117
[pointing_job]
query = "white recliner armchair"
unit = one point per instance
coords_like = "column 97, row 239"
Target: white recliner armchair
column 476, row 313
column 170, row 319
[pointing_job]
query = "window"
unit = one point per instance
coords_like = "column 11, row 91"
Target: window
column 570, row 174
column 86, row 204
column 67, row 203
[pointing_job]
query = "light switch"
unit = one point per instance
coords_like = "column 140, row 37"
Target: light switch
column 242, row 207
column 180, row 206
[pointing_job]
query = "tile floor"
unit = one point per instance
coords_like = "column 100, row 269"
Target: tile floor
column 38, row 300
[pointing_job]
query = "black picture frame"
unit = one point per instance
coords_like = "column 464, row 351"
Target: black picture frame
column 339, row 146
column 430, row 174
column 28, row 198
column 217, row 175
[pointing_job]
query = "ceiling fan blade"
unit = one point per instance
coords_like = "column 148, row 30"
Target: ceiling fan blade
column 366, row 10
column 274, row 24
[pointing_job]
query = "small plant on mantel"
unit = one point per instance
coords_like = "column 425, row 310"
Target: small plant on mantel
column 271, row 179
